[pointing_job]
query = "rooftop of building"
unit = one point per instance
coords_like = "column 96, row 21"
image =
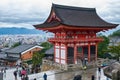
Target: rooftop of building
column 21, row 48
column 74, row 16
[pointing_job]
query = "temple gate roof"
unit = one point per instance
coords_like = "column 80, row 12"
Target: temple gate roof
column 74, row 16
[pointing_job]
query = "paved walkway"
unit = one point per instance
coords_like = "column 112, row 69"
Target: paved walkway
column 58, row 75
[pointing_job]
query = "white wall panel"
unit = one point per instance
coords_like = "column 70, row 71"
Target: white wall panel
column 63, row 54
column 56, row 46
column 62, row 61
column 57, row 53
column 62, row 47
column 57, row 60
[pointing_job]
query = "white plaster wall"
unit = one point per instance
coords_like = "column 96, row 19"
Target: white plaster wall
column 57, row 60
column 56, row 46
column 62, row 61
column 63, row 54
column 57, row 53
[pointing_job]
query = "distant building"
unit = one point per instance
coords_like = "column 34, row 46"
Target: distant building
column 114, row 41
column 2, row 55
column 22, row 52
column 50, row 53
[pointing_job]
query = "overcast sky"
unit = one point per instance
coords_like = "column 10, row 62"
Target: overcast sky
column 25, row 13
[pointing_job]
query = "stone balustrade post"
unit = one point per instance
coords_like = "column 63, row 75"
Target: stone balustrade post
column 114, row 74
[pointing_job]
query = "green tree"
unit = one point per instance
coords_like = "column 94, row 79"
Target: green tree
column 6, row 45
column 46, row 45
column 37, row 58
column 116, row 33
column 115, row 50
column 16, row 44
column 103, row 46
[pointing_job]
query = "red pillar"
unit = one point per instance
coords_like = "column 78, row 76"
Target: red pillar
column 66, row 53
column 88, row 52
column 54, row 54
column 75, row 53
column 96, row 51
column 60, row 53
column 82, row 53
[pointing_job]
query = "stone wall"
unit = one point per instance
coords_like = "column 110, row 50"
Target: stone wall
column 113, row 71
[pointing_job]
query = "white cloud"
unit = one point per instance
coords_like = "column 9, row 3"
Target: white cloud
column 24, row 6
column 25, row 13
column 19, row 25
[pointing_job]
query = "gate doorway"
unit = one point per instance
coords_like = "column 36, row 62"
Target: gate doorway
column 70, row 55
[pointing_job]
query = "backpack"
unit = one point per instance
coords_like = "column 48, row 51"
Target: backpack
column 23, row 72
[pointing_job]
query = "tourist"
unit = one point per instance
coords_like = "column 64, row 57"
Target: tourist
column 17, row 67
column 99, row 69
column 45, row 76
column 107, row 78
column 77, row 77
column 15, row 74
column 93, row 77
column 23, row 73
column 35, row 79
column 99, row 77
column 5, row 71
column 26, row 78
column 2, row 70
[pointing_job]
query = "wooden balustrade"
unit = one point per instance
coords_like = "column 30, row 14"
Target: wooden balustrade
column 74, row 40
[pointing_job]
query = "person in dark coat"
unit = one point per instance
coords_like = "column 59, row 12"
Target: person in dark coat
column 93, row 77
column 99, row 69
column 45, row 76
column 15, row 74
column 26, row 78
column 77, row 77
column 34, row 78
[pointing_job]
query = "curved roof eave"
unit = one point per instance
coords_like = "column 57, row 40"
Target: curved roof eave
column 82, row 17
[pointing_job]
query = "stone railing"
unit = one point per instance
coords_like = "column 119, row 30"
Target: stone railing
column 49, row 65
column 113, row 71
column 78, row 66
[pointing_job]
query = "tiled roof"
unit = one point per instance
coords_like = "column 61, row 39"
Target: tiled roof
column 76, row 16
column 20, row 49
column 50, row 51
column 2, row 55
column 12, row 59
